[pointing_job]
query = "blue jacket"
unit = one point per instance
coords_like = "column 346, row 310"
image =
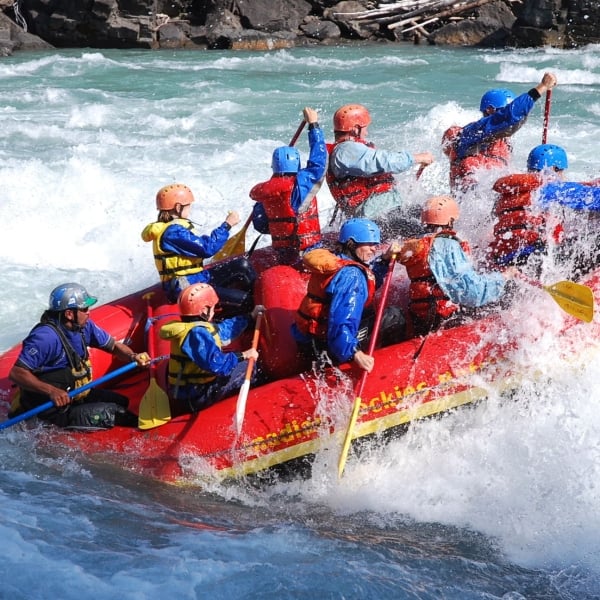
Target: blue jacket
column 43, row 351
column 455, row 274
column 306, row 179
column 200, row 346
column 353, row 159
column 349, row 292
column 503, row 123
column 570, row 194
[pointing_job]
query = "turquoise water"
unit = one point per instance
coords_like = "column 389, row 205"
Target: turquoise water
column 496, row 502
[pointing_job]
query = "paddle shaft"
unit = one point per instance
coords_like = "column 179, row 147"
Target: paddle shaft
column 75, row 392
column 297, row 134
column 363, row 380
column 546, row 115
column 240, row 408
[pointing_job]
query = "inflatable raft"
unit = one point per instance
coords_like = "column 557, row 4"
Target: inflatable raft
column 298, row 411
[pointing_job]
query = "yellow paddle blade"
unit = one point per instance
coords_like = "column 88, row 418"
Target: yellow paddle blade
column 573, row 298
column 235, row 245
column 154, row 407
column 348, row 438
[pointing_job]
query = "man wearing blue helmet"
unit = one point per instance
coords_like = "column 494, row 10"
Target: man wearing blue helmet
column 55, row 359
column 286, row 205
column 332, row 316
column 484, row 144
column 524, row 201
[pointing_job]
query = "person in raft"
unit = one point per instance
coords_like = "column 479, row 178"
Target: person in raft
column 200, row 372
column 527, row 219
column 485, row 144
column 286, row 205
column 55, row 359
column 444, row 286
column 180, row 251
column 361, row 177
column 334, row 318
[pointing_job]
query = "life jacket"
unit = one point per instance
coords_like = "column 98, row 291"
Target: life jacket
column 71, row 377
column 517, row 230
column 350, row 192
column 168, row 264
column 181, row 370
column 288, row 230
column 494, row 155
column 313, row 315
column 426, row 297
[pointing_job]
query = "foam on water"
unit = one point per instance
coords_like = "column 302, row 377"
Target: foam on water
column 89, row 137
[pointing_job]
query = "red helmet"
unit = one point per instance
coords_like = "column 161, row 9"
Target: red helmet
column 349, row 116
column 197, row 299
column 170, row 195
column 440, row 210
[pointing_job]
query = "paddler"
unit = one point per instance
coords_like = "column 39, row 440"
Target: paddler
column 286, row 205
column 526, row 219
column 485, row 144
column 180, row 251
column 54, row 360
column 361, row 177
column 200, row 372
column 444, row 286
column 334, row 319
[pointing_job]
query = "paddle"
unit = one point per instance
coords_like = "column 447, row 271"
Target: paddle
column 546, row 115
column 574, row 298
column 154, row 409
column 365, row 374
column 236, row 244
column 240, row 408
column 75, row 392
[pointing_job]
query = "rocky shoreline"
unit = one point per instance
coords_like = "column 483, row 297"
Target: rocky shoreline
column 274, row 24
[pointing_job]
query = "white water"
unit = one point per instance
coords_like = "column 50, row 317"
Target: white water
column 87, row 139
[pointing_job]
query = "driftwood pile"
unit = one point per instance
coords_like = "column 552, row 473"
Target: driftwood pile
column 415, row 15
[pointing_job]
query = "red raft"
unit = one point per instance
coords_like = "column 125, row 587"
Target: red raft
column 299, row 412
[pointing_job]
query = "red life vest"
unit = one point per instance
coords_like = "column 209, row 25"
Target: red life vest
column 350, row 192
column 516, row 227
column 462, row 171
column 426, row 297
column 313, row 315
column 287, row 230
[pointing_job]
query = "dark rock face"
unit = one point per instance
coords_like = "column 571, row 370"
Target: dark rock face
column 273, row 24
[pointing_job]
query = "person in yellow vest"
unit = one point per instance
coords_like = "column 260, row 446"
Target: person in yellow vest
column 55, row 359
column 200, row 371
column 444, row 285
column 180, row 251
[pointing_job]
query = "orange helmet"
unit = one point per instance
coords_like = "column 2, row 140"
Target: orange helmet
column 170, row 195
column 197, row 299
column 440, row 210
column 349, row 116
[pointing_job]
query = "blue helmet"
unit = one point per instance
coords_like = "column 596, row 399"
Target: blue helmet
column 361, row 231
column 496, row 98
column 547, row 155
column 286, row 160
column 70, row 295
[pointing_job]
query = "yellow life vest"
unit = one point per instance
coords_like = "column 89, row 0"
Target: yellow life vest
column 182, row 370
column 168, row 264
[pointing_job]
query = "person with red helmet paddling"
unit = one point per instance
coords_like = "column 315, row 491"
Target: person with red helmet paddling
column 200, row 372
column 361, row 176
column 444, row 285
column 180, row 251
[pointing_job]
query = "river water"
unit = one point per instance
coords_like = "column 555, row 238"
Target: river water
column 500, row 501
